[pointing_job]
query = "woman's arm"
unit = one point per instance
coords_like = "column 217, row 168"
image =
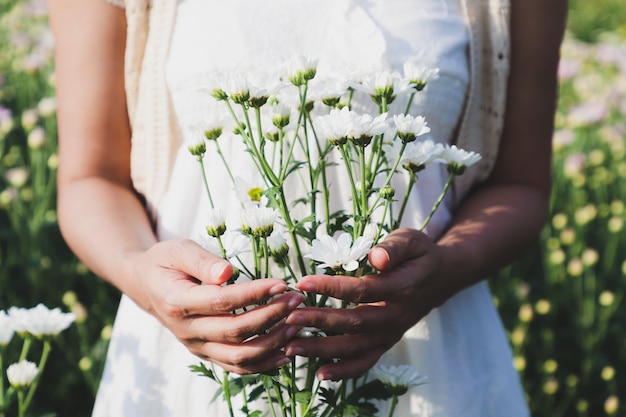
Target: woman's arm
column 105, row 223
column 493, row 226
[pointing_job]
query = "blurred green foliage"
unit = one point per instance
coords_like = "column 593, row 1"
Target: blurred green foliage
column 560, row 303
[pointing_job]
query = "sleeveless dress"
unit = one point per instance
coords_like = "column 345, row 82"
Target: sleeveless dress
column 461, row 346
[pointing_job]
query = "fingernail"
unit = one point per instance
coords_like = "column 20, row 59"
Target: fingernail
column 292, row 331
column 278, row 289
column 295, row 300
column 295, row 319
column 307, row 286
column 293, row 350
column 218, row 269
column 324, row 376
column 283, row 361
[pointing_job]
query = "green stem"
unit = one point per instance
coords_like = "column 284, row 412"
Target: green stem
column 221, row 155
column 42, row 363
column 25, row 347
column 394, row 403
column 405, row 200
column 226, row 388
column 20, row 403
column 1, row 385
column 390, row 174
column 360, row 226
column 438, row 201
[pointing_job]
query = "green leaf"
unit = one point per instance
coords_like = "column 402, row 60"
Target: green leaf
column 202, row 370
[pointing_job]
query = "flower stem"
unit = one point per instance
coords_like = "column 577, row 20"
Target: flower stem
column 405, row 200
column 1, row 385
column 394, row 403
column 25, row 347
column 390, row 174
column 438, row 201
column 226, row 388
column 205, row 181
column 42, row 363
column 20, row 403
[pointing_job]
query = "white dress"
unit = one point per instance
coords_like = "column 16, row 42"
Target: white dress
column 461, row 346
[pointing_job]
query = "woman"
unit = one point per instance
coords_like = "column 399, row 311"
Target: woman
column 120, row 212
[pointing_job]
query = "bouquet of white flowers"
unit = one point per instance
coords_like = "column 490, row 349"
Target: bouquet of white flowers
column 292, row 224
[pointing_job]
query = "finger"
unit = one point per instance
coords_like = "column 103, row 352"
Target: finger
column 237, row 328
column 187, row 256
column 357, row 353
column 350, row 368
column 260, row 354
column 193, row 299
column 365, row 289
column 361, row 319
column 398, row 247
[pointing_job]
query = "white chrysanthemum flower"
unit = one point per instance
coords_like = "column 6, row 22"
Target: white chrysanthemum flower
column 335, row 126
column 259, row 221
column 340, row 254
column 365, row 127
column 238, row 88
column 216, row 222
column 6, row 329
column 281, row 115
column 301, row 68
column 457, row 159
column 22, row 374
column 398, row 379
column 409, row 127
column 211, row 125
column 386, row 84
column 249, row 189
column 419, row 76
column 235, row 243
column 277, row 244
column 419, row 154
column 17, row 177
column 40, row 321
column 329, row 91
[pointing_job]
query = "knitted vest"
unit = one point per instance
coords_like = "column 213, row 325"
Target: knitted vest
column 155, row 132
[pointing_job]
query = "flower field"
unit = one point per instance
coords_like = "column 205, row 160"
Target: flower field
column 562, row 303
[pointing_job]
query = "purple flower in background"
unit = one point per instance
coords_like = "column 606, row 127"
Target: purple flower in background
column 568, row 69
column 588, row 113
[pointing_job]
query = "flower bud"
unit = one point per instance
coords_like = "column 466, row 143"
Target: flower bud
column 387, row 193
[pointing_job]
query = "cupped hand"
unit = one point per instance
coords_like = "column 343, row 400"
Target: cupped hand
column 389, row 303
column 182, row 287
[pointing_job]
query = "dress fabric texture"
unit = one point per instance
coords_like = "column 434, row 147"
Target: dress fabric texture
column 461, row 346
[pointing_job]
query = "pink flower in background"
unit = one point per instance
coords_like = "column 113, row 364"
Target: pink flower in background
column 568, row 69
column 588, row 113
column 574, row 164
column 562, row 138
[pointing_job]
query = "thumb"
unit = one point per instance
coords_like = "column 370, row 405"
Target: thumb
column 189, row 257
column 398, row 247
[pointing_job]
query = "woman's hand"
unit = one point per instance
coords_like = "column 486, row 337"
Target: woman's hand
column 391, row 302
column 181, row 284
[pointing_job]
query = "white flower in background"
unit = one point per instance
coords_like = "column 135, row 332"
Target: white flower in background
column 364, row 127
column 36, row 138
column 40, row 321
column 22, row 374
column 29, row 119
column 457, row 160
column 16, row 177
column 6, row 329
column 249, row 190
column 340, row 254
column 281, row 115
column 387, row 85
column 235, row 243
column 277, row 244
column 216, row 222
column 419, row 154
column 409, row 127
column 329, row 91
column 258, row 221
column 47, row 106
column 211, row 125
column 419, row 76
column 301, row 68
column 398, row 379
column 335, row 126
column 237, row 88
